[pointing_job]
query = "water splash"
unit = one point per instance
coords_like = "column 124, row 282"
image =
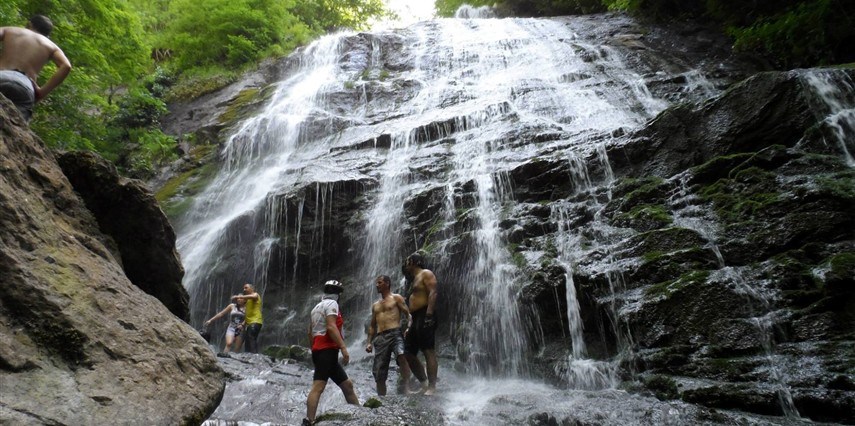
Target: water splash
column 835, row 92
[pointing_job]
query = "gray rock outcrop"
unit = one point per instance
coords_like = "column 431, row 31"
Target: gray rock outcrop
column 79, row 343
column 127, row 212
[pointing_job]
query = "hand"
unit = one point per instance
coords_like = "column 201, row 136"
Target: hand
column 235, row 297
column 207, row 322
column 345, row 356
column 429, row 321
column 406, row 331
column 369, row 348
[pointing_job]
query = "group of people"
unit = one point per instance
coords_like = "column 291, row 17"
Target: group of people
column 245, row 320
column 385, row 337
column 25, row 51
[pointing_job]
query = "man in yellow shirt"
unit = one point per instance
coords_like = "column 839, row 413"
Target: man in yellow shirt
column 253, row 316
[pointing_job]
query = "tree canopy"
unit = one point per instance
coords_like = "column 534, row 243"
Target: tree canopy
column 129, row 55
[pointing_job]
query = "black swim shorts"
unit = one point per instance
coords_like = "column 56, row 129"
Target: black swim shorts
column 420, row 336
column 327, row 366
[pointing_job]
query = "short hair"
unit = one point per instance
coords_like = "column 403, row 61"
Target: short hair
column 417, row 259
column 42, row 25
column 386, row 279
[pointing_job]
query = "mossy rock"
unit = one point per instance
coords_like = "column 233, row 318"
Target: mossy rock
column 372, row 403
column 644, row 217
column 666, row 288
column 663, row 387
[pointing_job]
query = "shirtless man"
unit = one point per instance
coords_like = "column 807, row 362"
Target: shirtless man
column 420, row 334
column 25, row 52
column 385, row 334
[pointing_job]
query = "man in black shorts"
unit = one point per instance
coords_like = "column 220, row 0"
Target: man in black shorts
column 327, row 339
column 421, row 333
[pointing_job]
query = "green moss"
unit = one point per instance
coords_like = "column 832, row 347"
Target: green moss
column 663, row 387
column 718, row 167
column 176, row 196
column 841, row 267
column 372, row 403
column 349, row 85
column 238, row 106
column 635, row 190
column 666, row 288
column 334, row 417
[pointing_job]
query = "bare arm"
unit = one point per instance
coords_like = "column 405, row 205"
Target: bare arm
column 430, row 285
column 402, row 306
column 333, row 333
column 219, row 315
column 253, row 296
column 63, row 67
column 371, row 330
column 311, row 336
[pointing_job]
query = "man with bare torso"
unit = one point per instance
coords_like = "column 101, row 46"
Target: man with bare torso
column 25, row 52
column 420, row 334
column 385, row 335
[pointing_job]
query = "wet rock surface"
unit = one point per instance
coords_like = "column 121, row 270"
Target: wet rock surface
column 261, row 390
column 694, row 233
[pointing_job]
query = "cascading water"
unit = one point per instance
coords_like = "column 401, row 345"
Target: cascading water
column 837, row 106
column 378, row 145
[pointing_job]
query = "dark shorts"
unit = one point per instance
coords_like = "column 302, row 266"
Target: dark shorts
column 420, row 337
column 327, row 366
column 16, row 86
column 386, row 344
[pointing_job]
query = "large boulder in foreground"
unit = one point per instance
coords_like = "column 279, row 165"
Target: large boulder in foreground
column 79, row 343
column 128, row 212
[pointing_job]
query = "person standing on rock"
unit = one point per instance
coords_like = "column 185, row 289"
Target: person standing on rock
column 421, row 333
column 24, row 53
column 385, row 335
column 237, row 313
column 253, row 316
column 325, row 334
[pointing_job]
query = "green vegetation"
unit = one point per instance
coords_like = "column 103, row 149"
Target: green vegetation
column 132, row 56
column 666, row 288
column 789, row 33
column 663, row 387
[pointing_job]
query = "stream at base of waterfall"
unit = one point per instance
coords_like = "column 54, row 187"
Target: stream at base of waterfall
column 261, row 391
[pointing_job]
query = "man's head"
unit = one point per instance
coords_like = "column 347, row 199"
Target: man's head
column 413, row 261
column 384, row 283
column 41, row 24
column 248, row 288
column 333, row 287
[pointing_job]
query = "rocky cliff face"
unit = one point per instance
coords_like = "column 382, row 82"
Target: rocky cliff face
column 79, row 343
column 599, row 213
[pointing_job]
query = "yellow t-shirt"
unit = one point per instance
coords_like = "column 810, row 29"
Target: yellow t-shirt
column 253, row 311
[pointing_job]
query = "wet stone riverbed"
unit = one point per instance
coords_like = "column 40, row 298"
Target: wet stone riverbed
column 261, row 391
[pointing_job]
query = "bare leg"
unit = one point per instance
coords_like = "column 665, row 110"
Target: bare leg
column 430, row 361
column 416, row 367
column 238, row 343
column 228, row 347
column 349, row 394
column 404, row 380
column 381, row 388
column 314, row 397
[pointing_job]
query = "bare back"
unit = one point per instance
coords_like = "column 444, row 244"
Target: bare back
column 423, row 285
column 26, row 51
column 387, row 312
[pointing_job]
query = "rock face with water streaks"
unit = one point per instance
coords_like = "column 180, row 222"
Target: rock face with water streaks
column 705, row 235
column 81, row 344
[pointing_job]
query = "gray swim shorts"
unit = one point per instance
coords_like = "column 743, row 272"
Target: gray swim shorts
column 16, row 86
column 385, row 344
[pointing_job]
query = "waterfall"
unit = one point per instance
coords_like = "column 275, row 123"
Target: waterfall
column 835, row 109
column 408, row 137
